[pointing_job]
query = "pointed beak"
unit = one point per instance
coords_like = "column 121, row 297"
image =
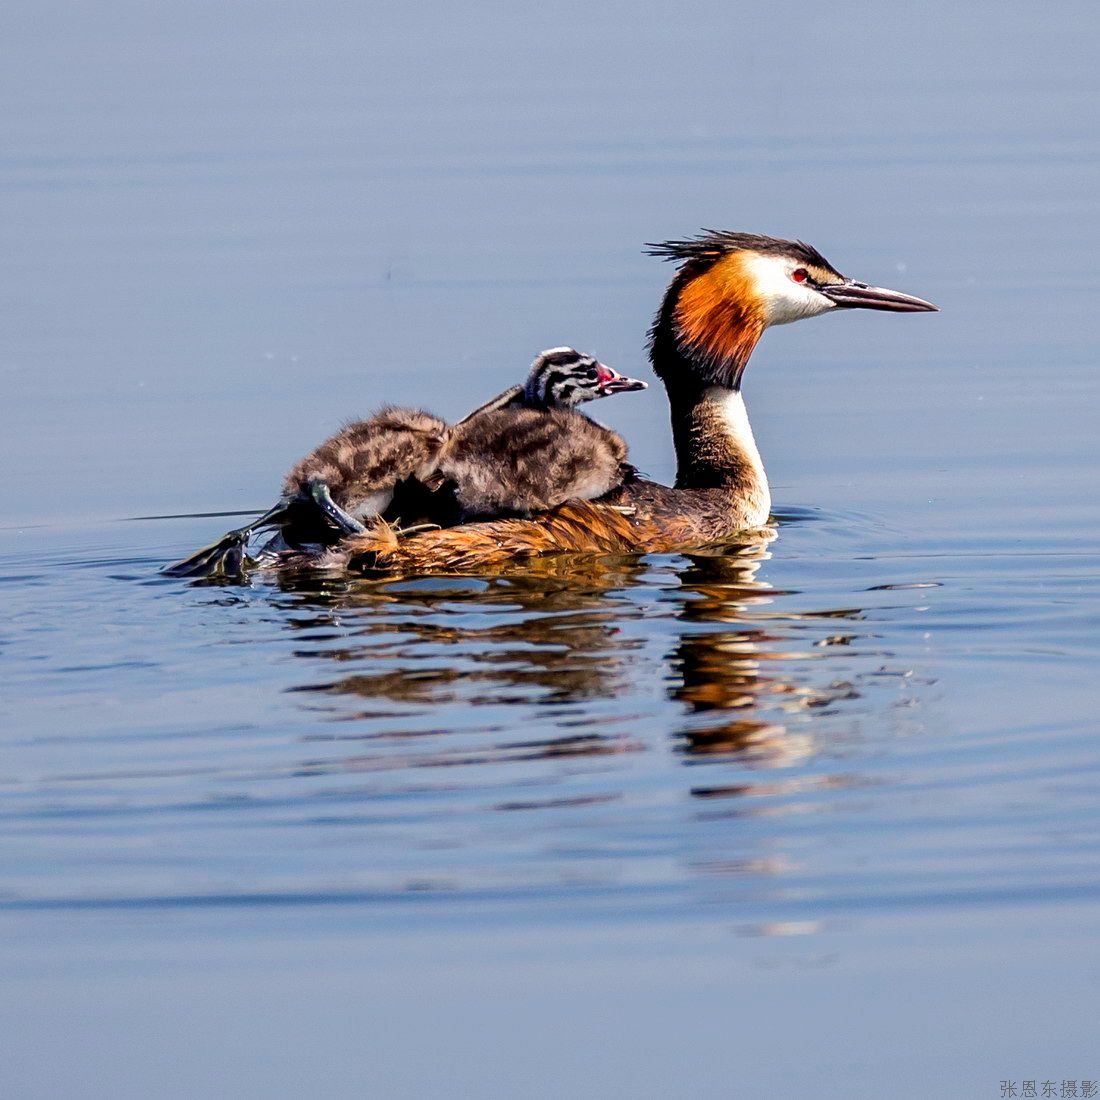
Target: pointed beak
column 611, row 381
column 852, row 295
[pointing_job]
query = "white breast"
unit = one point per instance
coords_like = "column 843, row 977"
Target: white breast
column 735, row 418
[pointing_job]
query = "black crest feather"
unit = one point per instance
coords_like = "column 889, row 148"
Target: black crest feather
column 712, row 244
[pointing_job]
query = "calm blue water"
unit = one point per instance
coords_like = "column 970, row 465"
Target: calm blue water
column 812, row 817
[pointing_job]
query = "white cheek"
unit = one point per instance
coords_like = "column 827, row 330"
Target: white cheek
column 784, row 299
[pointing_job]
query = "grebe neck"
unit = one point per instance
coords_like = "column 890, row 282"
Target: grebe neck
column 715, row 446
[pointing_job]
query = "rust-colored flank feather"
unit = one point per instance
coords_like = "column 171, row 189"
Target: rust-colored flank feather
column 639, row 517
column 577, row 527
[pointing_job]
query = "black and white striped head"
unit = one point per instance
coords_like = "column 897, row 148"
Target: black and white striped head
column 561, row 378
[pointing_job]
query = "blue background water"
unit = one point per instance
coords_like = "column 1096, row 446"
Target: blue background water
column 811, row 818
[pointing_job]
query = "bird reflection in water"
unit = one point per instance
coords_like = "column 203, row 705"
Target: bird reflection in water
column 737, row 682
column 550, row 637
column 566, row 636
column 563, row 685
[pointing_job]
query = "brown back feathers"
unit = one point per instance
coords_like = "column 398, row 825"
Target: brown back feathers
column 517, row 460
column 367, row 458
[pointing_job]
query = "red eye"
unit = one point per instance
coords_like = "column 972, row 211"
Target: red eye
column 800, row 274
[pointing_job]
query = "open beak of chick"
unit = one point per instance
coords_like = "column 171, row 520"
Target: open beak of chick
column 852, row 295
column 611, row 381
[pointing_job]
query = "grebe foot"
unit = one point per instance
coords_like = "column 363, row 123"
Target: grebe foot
column 226, row 557
column 320, row 495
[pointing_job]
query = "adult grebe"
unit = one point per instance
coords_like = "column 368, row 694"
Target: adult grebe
column 526, row 450
column 729, row 288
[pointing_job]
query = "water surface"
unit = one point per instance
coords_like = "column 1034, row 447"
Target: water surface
column 816, row 814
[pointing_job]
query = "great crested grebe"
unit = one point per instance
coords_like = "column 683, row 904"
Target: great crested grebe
column 525, row 450
column 729, row 288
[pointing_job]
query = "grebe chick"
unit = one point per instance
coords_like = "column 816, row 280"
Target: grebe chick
column 527, row 437
column 352, row 476
column 347, row 479
column 530, row 450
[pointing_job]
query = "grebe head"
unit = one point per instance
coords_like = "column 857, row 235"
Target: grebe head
column 561, row 378
column 732, row 286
